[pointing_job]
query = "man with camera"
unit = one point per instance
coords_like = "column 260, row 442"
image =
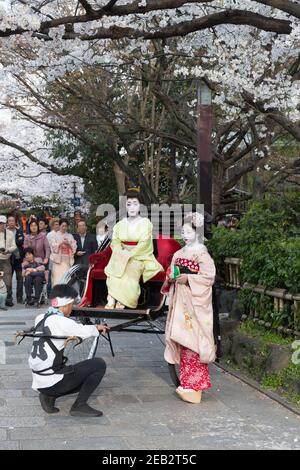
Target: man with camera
column 7, row 247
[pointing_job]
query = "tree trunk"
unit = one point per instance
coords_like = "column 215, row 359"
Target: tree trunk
column 120, row 179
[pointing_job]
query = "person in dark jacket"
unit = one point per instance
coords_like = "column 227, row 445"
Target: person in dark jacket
column 86, row 244
column 16, row 259
column 33, row 272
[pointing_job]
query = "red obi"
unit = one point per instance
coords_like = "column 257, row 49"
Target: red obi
column 187, row 265
column 130, row 243
column 66, row 249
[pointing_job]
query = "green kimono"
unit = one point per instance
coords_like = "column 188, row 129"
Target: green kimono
column 129, row 262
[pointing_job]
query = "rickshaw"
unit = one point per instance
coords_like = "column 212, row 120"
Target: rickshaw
column 149, row 316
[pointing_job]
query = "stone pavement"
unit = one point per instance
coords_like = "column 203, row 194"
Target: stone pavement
column 141, row 410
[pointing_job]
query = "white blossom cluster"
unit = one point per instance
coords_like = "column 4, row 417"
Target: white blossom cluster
column 234, row 59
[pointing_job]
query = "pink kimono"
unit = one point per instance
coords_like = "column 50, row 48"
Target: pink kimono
column 62, row 255
column 189, row 328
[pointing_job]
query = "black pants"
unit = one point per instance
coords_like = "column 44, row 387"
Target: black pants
column 85, row 378
column 37, row 283
column 16, row 268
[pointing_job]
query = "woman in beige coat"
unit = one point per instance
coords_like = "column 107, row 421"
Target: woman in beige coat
column 189, row 329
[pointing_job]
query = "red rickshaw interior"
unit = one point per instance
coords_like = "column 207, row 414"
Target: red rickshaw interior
column 96, row 291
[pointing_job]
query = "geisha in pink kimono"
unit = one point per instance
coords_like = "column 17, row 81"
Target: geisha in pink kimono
column 189, row 329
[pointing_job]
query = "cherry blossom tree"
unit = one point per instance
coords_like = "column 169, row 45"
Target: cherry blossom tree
column 247, row 52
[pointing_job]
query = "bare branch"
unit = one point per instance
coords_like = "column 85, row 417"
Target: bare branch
column 109, row 6
column 88, row 8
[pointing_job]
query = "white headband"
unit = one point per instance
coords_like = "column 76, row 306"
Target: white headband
column 61, row 301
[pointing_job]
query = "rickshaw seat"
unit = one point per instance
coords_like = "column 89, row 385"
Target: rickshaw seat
column 165, row 248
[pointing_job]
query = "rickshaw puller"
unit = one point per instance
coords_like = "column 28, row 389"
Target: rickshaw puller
column 51, row 377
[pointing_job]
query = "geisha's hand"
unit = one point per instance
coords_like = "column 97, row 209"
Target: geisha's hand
column 182, row 279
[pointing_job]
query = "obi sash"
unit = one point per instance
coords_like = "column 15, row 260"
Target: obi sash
column 187, row 265
column 66, row 249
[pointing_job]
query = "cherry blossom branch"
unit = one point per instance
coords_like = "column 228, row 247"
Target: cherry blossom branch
column 275, row 115
column 289, row 170
column 34, row 159
column 234, row 17
column 287, row 6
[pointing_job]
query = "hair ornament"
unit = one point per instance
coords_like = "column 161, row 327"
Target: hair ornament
column 137, row 190
column 197, row 219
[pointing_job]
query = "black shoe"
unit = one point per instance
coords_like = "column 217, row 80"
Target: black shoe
column 9, row 303
column 84, row 410
column 20, row 301
column 47, row 403
column 29, row 302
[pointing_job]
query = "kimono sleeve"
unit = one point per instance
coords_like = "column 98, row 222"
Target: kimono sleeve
column 73, row 244
column 54, row 243
column 207, row 272
column 115, row 244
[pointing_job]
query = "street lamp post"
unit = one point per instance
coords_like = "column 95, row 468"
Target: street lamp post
column 204, row 146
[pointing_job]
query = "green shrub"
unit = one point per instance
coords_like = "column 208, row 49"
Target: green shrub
column 268, row 241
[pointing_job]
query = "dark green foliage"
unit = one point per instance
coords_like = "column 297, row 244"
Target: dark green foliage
column 268, row 241
column 94, row 167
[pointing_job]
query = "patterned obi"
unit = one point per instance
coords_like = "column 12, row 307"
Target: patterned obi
column 66, row 250
column 187, row 266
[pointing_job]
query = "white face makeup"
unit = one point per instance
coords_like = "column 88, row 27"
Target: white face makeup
column 133, row 207
column 188, row 234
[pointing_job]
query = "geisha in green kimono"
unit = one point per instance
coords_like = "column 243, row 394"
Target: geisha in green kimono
column 132, row 256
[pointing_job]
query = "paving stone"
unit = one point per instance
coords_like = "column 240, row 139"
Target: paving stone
column 4, row 393
column 21, row 422
column 9, row 445
column 141, row 409
column 22, row 401
column 21, row 411
column 78, row 444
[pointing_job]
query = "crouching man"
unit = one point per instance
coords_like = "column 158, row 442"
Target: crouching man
column 51, row 376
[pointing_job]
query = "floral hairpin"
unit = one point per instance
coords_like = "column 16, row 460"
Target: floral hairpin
column 197, row 219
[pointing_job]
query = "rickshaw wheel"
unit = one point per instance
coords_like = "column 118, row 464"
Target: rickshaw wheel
column 77, row 280
column 174, row 374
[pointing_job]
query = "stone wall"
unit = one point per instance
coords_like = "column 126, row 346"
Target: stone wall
column 259, row 359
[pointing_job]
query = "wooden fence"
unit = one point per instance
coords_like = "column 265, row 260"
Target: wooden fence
column 282, row 299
